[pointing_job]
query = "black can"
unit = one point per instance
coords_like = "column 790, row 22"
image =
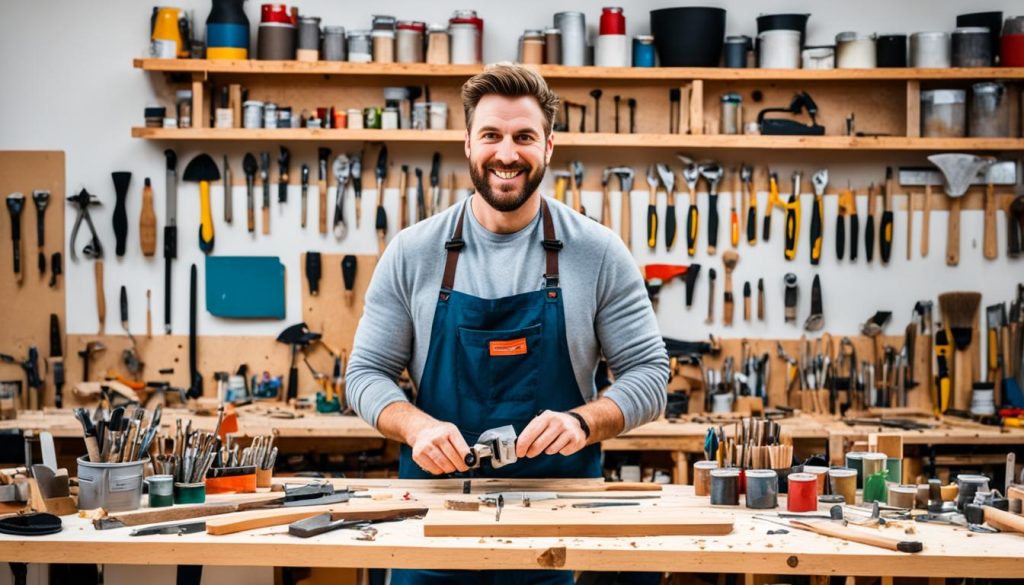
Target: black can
column 736, row 49
column 891, row 50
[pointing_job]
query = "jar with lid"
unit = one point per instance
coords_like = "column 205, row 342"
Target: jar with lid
column 531, row 48
column 383, row 46
column 334, row 43
column 360, row 49
column 553, row 46
column 732, row 113
column 463, row 39
column 437, row 45
column 183, row 103
column 469, row 17
column 409, row 41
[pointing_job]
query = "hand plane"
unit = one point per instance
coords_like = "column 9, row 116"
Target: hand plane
column 499, row 444
column 786, row 127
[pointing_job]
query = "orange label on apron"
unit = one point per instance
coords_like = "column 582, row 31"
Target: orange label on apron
column 509, row 347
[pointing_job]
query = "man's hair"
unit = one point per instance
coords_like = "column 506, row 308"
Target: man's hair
column 509, row 80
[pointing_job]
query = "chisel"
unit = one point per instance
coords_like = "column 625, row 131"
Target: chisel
column 170, row 231
column 773, row 195
column 576, row 183
column 323, row 154
column 403, row 198
column 41, row 198
column 734, row 214
column 854, row 226
column 606, row 203
column 348, row 275
column 746, row 301
column 228, row 180
column 357, row 185
column 869, row 228
column 885, row 227
column 421, row 203
column 845, row 199
column 15, row 205
column 435, row 184
column 747, row 176
column 652, row 209
column 283, row 161
column 381, row 221
column 265, row 179
column 305, row 194
column 250, row 166
column 147, row 221
column 195, row 389
column 56, row 361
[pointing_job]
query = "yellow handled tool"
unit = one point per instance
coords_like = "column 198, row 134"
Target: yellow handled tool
column 203, row 170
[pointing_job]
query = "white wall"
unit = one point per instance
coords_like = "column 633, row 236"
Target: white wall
column 68, row 84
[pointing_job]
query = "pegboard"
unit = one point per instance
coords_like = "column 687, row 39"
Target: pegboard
column 27, row 306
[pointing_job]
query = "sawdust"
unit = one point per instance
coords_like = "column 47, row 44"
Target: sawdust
column 553, row 557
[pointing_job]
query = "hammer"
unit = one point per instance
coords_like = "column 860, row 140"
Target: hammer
column 92, row 348
column 625, row 175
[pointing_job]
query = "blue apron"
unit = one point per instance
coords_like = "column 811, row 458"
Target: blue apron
column 496, row 362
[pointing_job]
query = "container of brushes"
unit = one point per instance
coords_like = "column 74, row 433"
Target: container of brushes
column 115, row 487
column 264, row 477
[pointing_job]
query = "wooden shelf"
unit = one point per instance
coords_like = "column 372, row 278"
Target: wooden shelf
column 884, row 143
column 201, row 66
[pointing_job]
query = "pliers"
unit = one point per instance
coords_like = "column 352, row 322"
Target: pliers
column 84, row 199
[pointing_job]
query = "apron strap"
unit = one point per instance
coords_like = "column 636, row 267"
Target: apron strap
column 551, row 247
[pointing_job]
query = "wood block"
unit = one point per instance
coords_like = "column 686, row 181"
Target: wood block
column 541, row 521
column 242, row 521
column 889, row 443
column 750, row 405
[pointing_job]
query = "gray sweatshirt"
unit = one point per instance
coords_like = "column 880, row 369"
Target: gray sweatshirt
column 607, row 311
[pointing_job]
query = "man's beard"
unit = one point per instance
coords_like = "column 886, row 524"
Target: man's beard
column 511, row 200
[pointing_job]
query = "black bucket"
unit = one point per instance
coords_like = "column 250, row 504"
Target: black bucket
column 689, row 36
column 891, row 50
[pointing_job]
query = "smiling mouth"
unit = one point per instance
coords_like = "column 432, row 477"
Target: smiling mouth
column 506, row 175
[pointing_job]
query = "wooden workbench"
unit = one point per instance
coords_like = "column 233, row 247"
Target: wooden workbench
column 948, row 551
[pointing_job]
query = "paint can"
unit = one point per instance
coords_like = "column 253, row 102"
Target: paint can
column 355, row 118
column 803, row 492
column 902, row 496
column 574, row 37
column 930, row 49
column 891, row 50
column 360, row 47
column 702, row 477
column 334, row 43
column 989, row 117
column 725, row 489
column 721, row 403
column 270, row 115
column 553, row 46
column 820, row 472
column 762, row 489
column 823, row 57
column 779, row 49
column 971, row 47
column 476, row 53
column 855, row 51
column 531, row 47
column 383, row 45
column 736, row 49
column 438, row 115
column 409, row 41
column 943, row 113
column 437, row 44
column 968, row 485
column 252, row 114
column 612, row 48
column 275, row 41
column 731, row 118
column 464, row 44
column 842, row 481
column 308, row 45
column 643, row 51
column 161, row 490
column 227, row 31
column 855, row 461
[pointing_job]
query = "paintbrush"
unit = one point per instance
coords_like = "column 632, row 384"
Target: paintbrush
column 959, row 314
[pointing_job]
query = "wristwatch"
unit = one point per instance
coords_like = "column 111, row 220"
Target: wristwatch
column 582, row 421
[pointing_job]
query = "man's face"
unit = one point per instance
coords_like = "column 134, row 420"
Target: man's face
column 507, row 150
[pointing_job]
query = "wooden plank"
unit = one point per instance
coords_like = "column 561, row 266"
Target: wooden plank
column 242, row 521
column 601, row 139
column 27, row 306
column 540, row 521
column 913, row 109
column 696, row 115
column 566, row 72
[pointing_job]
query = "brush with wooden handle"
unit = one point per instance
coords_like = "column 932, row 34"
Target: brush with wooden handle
column 729, row 260
column 959, row 314
column 147, row 221
column 323, row 155
column 990, row 249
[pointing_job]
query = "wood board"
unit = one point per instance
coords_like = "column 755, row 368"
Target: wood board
column 25, row 312
column 541, row 521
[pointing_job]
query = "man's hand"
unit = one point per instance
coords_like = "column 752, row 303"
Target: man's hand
column 551, row 432
column 440, row 448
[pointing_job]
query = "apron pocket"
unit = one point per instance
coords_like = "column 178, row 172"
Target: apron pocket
column 500, row 366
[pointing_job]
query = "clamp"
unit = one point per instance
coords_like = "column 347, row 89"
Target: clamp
column 498, row 444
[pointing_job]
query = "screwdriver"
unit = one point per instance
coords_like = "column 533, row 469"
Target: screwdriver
column 885, row 228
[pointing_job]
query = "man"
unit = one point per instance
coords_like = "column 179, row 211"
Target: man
column 500, row 308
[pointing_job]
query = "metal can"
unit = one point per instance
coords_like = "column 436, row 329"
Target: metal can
column 334, row 43
column 252, row 114
column 990, row 110
column 308, row 44
column 972, row 47
column 553, row 46
column 943, row 113
column 574, row 37
column 470, row 17
column 855, row 51
column 463, row 44
column 930, row 49
column 438, row 116
column 384, row 22
column 383, row 46
column 360, row 48
column 270, row 115
column 731, row 118
column 284, row 117
column 613, row 21
column 643, row 51
column 419, row 116
column 736, row 49
column 371, row 118
column 409, row 41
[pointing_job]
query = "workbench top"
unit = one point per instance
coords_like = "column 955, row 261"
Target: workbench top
column 948, row 551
